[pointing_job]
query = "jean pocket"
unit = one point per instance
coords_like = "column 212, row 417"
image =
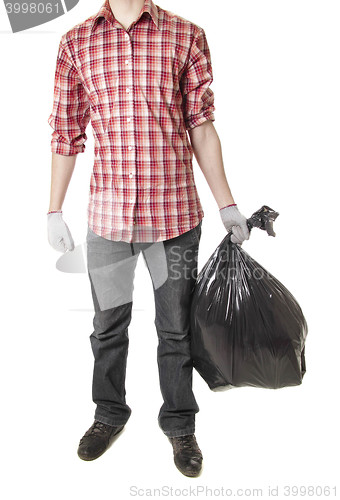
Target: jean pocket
column 90, row 235
column 96, row 243
column 196, row 233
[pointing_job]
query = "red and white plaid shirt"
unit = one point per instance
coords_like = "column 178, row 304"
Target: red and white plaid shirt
column 142, row 89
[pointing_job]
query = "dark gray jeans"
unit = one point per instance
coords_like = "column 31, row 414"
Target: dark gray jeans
column 172, row 265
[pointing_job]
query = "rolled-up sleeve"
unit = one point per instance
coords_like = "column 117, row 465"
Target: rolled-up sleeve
column 198, row 98
column 71, row 108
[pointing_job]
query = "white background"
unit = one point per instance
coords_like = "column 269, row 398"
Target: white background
column 276, row 84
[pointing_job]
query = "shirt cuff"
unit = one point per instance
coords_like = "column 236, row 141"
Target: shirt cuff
column 62, row 148
column 198, row 119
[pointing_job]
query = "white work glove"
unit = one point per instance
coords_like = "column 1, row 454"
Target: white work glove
column 235, row 221
column 58, row 233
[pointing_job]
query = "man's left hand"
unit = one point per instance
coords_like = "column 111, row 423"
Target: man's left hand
column 235, row 221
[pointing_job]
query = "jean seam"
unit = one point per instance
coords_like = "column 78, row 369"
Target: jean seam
column 180, row 433
column 107, row 421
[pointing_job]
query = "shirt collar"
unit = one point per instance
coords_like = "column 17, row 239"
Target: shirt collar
column 105, row 11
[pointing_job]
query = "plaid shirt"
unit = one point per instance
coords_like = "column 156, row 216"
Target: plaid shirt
column 142, row 89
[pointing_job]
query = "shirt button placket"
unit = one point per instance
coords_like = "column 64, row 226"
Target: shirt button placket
column 130, row 138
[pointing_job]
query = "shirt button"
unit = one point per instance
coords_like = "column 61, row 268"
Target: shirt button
column 130, row 147
column 126, row 61
column 130, row 175
column 127, row 36
column 131, row 201
column 128, row 90
column 129, row 119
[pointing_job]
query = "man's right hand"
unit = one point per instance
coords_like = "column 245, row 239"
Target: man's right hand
column 58, row 233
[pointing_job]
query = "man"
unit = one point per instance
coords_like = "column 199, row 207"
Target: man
column 141, row 74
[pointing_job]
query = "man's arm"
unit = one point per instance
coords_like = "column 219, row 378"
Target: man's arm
column 207, row 149
column 61, row 172
column 198, row 112
column 58, row 233
column 69, row 119
column 208, row 153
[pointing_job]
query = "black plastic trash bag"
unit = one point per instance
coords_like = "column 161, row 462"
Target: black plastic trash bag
column 247, row 329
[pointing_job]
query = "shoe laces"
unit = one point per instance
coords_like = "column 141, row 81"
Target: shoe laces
column 187, row 442
column 96, row 429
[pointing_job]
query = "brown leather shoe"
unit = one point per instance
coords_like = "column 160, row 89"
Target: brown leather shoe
column 97, row 440
column 187, row 455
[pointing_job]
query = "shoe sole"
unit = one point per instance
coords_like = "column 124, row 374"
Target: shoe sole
column 89, row 459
